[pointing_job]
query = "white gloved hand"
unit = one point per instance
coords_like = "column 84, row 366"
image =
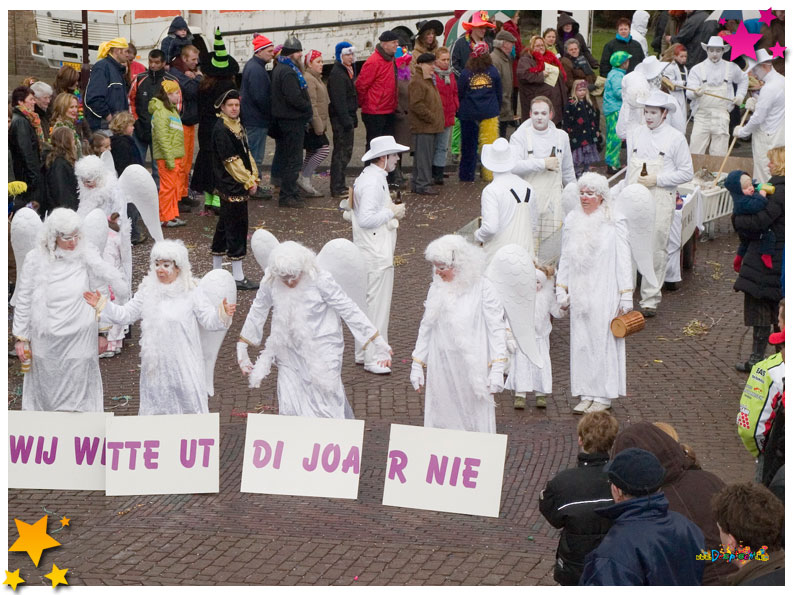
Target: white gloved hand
column 496, row 381
column 738, row 131
column 392, row 224
column 551, row 163
column 700, row 90
column 648, row 181
column 626, row 304
column 242, row 358
column 563, row 299
column 383, row 352
column 510, row 341
column 738, row 100
column 750, row 103
column 397, row 210
column 417, row 376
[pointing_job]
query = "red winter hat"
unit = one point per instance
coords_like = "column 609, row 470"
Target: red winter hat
column 261, row 42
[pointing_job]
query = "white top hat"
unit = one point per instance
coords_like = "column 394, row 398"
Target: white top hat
column 657, row 98
column 761, row 56
column 499, row 156
column 715, row 41
column 382, row 145
column 652, row 67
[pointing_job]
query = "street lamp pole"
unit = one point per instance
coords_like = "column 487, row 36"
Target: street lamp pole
column 85, row 69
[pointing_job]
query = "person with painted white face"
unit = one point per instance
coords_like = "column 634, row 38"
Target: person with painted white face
column 461, row 340
column 56, row 332
column 711, row 116
column 375, row 221
column 170, row 307
column 545, row 163
column 767, row 125
column 635, row 87
column 305, row 339
column 595, row 283
column 659, row 159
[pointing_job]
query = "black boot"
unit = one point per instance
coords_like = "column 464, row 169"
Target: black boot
column 760, row 340
column 438, row 175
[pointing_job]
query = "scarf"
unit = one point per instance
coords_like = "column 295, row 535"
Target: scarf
column 444, row 74
column 383, row 54
column 581, row 63
column 287, row 61
column 547, row 58
column 35, row 121
column 69, row 124
column 349, row 69
column 79, row 96
column 625, row 39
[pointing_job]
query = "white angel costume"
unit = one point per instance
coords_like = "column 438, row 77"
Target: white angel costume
column 461, row 341
column 173, row 375
column 61, row 328
column 532, row 146
column 305, row 341
column 595, row 279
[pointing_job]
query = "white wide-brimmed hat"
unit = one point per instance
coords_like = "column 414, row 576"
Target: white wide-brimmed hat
column 657, row 98
column 715, row 41
column 499, row 156
column 761, row 56
column 382, row 145
column 651, row 67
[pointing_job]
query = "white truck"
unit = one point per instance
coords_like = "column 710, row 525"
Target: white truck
column 59, row 32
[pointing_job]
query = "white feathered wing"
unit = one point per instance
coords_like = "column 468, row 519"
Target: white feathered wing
column 138, row 186
column 95, row 229
column 635, row 203
column 262, row 244
column 25, row 228
column 344, row 260
column 216, row 285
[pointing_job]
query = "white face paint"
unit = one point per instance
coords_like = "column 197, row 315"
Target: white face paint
column 166, row 271
column 759, row 71
column 540, row 115
column 715, row 54
column 590, row 200
column 391, row 161
column 654, row 116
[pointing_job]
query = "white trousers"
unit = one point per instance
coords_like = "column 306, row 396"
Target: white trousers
column 651, row 295
column 762, row 142
column 710, row 127
column 380, row 284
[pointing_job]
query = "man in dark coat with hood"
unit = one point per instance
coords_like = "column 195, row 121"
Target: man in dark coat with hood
column 568, row 28
column 178, row 36
column 695, row 30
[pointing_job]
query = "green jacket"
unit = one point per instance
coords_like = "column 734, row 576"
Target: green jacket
column 168, row 140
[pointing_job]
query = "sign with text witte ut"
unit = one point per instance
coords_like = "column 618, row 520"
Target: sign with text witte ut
column 162, row 454
column 302, row 456
column 51, row 450
column 445, row 470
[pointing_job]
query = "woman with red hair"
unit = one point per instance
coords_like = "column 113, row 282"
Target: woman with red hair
column 677, row 72
column 541, row 73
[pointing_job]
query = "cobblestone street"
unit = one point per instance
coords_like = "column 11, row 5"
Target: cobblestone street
column 233, row 538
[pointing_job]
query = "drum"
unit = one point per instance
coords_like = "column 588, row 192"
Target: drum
column 627, row 324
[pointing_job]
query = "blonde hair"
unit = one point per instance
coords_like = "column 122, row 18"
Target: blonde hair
column 667, row 429
column 777, row 161
column 440, row 51
column 574, row 98
column 61, row 105
column 597, row 431
column 120, row 122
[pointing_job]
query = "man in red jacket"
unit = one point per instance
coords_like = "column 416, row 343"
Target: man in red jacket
column 376, row 86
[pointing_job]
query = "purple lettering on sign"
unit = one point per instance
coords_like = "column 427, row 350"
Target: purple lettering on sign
column 206, row 443
column 331, row 456
column 352, row 460
column 85, row 449
column 133, row 445
column 436, row 472
column 150, row 454
column 114, row 460
column 469, row 473
column 43, row 455
column 453, row 474
column 263, row 452
column 311, row 465
column 187, row 460
column 20, row 447
column 397, row 462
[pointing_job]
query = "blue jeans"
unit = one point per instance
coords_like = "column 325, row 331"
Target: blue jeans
column 442, row 147
column 142, row 148
column 256, row 143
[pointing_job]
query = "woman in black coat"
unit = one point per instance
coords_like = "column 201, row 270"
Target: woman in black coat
column 762, row 286
column 23, row 140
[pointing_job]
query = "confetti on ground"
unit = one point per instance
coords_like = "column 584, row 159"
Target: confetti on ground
column 658, row 361
column 716, row 273
column 123, row 512
column 123, row 401
column 530, row 538
column 399, row 260
column 695, row 328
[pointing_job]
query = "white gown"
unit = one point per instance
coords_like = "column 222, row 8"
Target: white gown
column 172, row 366
column 306, row 342
column 461, row 337
column 595, row 269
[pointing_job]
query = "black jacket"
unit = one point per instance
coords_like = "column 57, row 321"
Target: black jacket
column 26, row 155
column 106, row 92
column 754, row 278
column 44, row 117
column 144, row 88
column 255, row 94
column 124, row 152
column 343, row 97
column 61, row 185
column 189, row 87
column 227, row 145
column 568, row 502
column 694, row 30
column 171, row 44
column 287, row 99
column 633, row 47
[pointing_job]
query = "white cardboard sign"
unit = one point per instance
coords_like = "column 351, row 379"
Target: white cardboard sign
column 445, row 470
column 51, row 450
column 162, row 454
column 302, row 456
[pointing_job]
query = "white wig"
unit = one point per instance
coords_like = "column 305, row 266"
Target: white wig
column 456, row 252
column 291, row 259
column 60, row 221
column 175, row 251
column 595, row 182
column 90, row 167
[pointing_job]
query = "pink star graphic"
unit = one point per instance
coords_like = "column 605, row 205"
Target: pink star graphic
column 777, row 50
column 723, row 21
column 742, row 43
column 767, row 17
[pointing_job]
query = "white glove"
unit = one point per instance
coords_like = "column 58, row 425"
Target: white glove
column 563, row 299
column 750, row 103
column 392, row 224
column 551, row 163
column 382, row 350
column 648, row 181
column 398, row 210
column 738, row 131
column 700, row 90
column 626, row 304
column 738, row 100
column 242, row 358
column 496, row 381
column 417, row 376
column 510, row 341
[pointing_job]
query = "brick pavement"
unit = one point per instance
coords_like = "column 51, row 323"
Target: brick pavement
column 232, row 538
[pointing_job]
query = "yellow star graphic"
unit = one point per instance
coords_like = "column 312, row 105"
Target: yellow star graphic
column 13, row 579
column 33, row 539
column 57, row 576
column 65, row 521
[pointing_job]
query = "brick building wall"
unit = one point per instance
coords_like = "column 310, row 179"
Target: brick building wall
column 21, row 31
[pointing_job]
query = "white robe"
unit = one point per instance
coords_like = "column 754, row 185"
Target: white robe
column 173, row 379
column 62, row 330
column 595, row 270
column 461, row 336
column 768, row 123
column 634, row 88
column 306, row 342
